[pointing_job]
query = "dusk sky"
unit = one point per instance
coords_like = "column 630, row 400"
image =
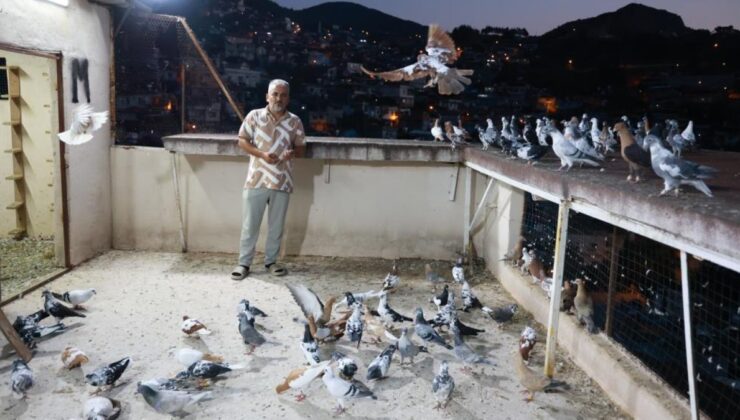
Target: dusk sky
column 538, row 16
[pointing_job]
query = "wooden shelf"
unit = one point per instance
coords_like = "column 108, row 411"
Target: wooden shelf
column 14, row 150
column 13, row 123
column 15, row 177
column 16, row 205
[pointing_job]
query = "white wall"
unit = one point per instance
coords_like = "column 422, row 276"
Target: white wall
column 81, row 30
column 366, row 209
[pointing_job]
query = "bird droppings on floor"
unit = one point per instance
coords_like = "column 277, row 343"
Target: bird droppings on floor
column 142, row 297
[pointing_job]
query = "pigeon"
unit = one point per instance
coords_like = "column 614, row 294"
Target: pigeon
column 534, row 381
column 442, row 386
column 317, row 314
column 675, row 171
column 75, row 297
column 679, row 141
column 426, row 332
column 406, row 347
column 567, row 150
column 374, row 326
column 170, row 384
column 391, row 280
column 502, row 314
column 299, row 379
column 527, row 258
column 84, row 122
column 515, row 254
column 468, row 297
column 387, row 314
column 458, row 272
column 532, row 153
column 527, row 340
column 378, row 368
column 186, row 356
column 169, row 402
column 487, row 137
column 191, row 326
column 101, row 408
column 244, row 305
column 56, row 309
column 437, row 132
column 583, row 123
column 440, row 52
column 464, row 329
column 432, row 277
column 632, row 153
column 347, row 367
column 207, row 370
column 72, row 357
column 568, row 296
column 441, row 299
column 581, row 143
column 535, row 267
column 584, row 307
column 30, row 331
column 443, row 317
column 32, row 319
column 595, row 135
column 359, row 298
column 541, row 135
column 464, row 353
column 249, row 333
column 454, row 134
column 355, row 325
column 21, row 379
column 310, row 347
column 340, row 389
column 107, row 375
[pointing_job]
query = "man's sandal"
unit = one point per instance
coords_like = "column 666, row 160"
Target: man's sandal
column 239, row 272
column 276, row 269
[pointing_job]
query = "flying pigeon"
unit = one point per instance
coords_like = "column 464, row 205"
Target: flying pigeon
column 72, row 357
column 442, row 386
column 406, row 347
column 347, row 367
column 426, row 332
column 317, row 314
column 186, row 356
column 244, row 305
column 107, row 375
column 249, row 333
column 359, row 298
column 387, row 314
column 458, row 272
column 584, row 307
column 440, row 52
column 191, row 326
column 299, row 379
column 527, row 340
column 169, row 402
column 101, row 408
column 534, row 381
column 502, row 314
column 309, row 346
column 84, row 122
column 21, row 379
column 632, row 153
column 392, row 279
column 437, row 132
column 675, row 171
column 567, row 150
column 75, row 297
column 341, row 389
column 56, row 309
column 378, row 368
column 355, row 325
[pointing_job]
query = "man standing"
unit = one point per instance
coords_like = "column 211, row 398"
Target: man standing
column 273, row 137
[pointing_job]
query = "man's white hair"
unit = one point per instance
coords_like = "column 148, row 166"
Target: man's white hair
column 277, row 82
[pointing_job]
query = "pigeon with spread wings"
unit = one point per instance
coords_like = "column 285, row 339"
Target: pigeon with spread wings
column 441, row 52
column 318, row 314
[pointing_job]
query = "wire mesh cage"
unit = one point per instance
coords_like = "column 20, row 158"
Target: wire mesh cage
column 635, row 285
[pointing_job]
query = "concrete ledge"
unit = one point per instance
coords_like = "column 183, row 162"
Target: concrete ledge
column 628, row 383
column 324, row 148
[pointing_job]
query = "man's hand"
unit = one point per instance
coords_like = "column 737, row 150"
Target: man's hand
column 270, row 158
column 287, row 154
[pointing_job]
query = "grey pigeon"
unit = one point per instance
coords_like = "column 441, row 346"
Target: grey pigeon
column 249, row 333
column 56, row 309
column 21, row 378
column 501, row 314
column 464, row 353
column 169, row 402
column 676, row 171
column 406, row 347
column 342, row 389
column 378, row 368
column 244, row 305
column 426, row 332
column 442, row 386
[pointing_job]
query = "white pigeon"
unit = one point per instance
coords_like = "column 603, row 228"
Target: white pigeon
column 341, row 389
column 101, row 408
column 84, row 122
column 392, row 279
column 596, row 135
column 75, row 297
column 583, row 124
column 675, row 171
column 186, row 356
column 458, row 272
column 299, row 379
column 437, row 132
column 440, row 52
column 541, row 135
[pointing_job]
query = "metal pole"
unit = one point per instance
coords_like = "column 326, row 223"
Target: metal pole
column 561, row 240
column 466, row 209
column 688, row 337
column 609, row 326
column 176, row 182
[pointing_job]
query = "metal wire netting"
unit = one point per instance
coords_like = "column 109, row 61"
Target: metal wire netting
column 646, row 312
column 159, row 74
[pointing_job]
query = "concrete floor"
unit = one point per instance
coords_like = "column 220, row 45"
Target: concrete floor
column 141, row 298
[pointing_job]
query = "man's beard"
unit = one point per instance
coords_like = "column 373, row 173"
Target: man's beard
column 277, row 108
